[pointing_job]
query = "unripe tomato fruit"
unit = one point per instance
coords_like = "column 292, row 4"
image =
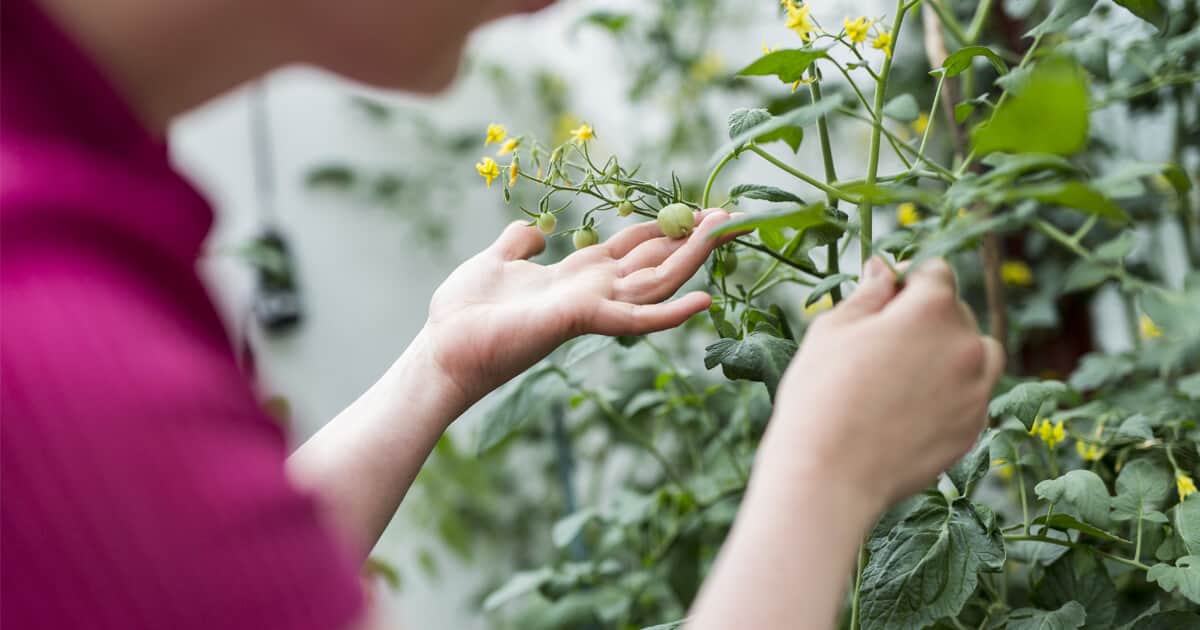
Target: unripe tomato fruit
column 625, row 209
column 676, row 220
column 620, row 190
column 585, row 237
column 546, row 222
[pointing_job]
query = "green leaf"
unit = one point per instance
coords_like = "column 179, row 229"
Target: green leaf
column 1190, row 386
column 788, row 64
column 1075, row 195
column 1071, row 616
column 763, row 193
column 825, row 286
column 610, row 20
column 1026, row 400
column 1143, row 487
column 1098, row 370
column 1085, row 274
column 585, row 347
column 1183, row 578
column 1066, row 522
column 902, row 108
column 674, row 625
column 331, row 176
column 567, row 529
column 799, row 117
column 1062, row 16
column 760, row 357
column 966, row 472
column 1187, row 524
column 518, row 585
column 524, row 398
column 958, row 62
column 927, row 566
column 1150, row 10
column 1082, row 490
column 1118, row 248
column 1173, row 620
column 795, row 218
column 1049, row 115
column 744, row 120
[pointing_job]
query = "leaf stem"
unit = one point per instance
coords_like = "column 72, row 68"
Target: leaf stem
column 1074, row 545
column 712, row 177
column 802, row 176
column 832, row 262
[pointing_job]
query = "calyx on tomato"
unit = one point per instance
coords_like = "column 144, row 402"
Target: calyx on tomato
column 585, row 237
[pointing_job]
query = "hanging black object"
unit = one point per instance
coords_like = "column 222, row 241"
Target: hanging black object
column 277, row 306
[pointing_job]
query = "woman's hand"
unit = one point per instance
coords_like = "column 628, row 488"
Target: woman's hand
column 498, row 313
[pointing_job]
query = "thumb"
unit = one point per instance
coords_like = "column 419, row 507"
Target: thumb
column 877, row 288
column 519, row 241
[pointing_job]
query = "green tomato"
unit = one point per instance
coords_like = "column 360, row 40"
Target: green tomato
column 625, row 209
column 620, row 190
column 585, row 237
column 546, row 222
column 676, row 220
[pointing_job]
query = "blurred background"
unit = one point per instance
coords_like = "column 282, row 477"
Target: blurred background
column 377, row 199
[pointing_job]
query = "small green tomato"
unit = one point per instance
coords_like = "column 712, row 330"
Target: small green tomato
column 546, row 222
column 585, row 237
column 625, row 209
column 676, row 220
column 620, row 190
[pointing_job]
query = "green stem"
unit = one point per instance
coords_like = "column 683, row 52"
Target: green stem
column 712, row 177
column 982, row 10
column 856, row 601
column 638, row 437
column 949, row 21
column 1137, row 547
column 865, row 208
column 1074, row 545
column 832, row 263
column 802, row 176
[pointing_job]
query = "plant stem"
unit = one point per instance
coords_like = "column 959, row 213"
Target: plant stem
column 865, row 208
column 978, row 21
column 802, row 176
column 638, row 438
column 832, row 262
column 856, row 602
column 712, row 177
column 1074, row 545
column 949, row 21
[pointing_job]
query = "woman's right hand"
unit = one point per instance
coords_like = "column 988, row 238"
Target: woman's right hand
column 888, row 389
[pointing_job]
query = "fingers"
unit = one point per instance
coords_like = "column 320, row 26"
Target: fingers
column 653, row 284
column 993, row 360
column 624, row 241
column 623, row 318
column 877, row 288
column 519, row 241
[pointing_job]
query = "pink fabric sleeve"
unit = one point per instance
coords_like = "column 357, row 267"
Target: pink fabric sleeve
column 142, row 486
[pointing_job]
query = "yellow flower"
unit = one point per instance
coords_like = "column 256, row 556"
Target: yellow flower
column 488, row 169
column 883, row 41
column 509, row 146
column 1149, row 329
column 907, row 214
column 1016, row 273
column 495, row 133
column 1006, row 470
column 1185, row 485
column 856, row 30
column 583, row 133
column 1049, row 432
column 1089, row 452
column 823, row 304
column 798, row 20
column 921, row 123
column 514, row 170
column 768, row 49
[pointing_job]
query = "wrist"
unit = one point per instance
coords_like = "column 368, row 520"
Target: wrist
column 420, row 378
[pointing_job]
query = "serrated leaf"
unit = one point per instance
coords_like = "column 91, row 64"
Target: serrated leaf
column 1078, row 577
column 1173, row 620
column 1048, row 115
column 788, row 64
column 799, row 118
column 1085, row 274
column 1098, row 370
column 1143, row 487
column 1082, row 490
column 794, row 218
column 526, row 397
column 585, row 347
column 966, row 472
column 1024, row 401
column 1066, row 522
column 760, row 357
column 1182, row 578
column 744, row 120
column 927, row 566
column 764, row 193
column 1187, row 524
column 958, row 62
column 1069, row 617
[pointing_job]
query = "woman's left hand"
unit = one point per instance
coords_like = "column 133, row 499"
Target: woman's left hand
column 498, row 313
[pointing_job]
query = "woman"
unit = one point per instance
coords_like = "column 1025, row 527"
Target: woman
column 143, row 487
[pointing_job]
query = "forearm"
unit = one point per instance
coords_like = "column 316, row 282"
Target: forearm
column 788, row 561
column 362, row 463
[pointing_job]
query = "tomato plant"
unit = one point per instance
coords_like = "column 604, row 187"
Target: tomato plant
column 1076, row 509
